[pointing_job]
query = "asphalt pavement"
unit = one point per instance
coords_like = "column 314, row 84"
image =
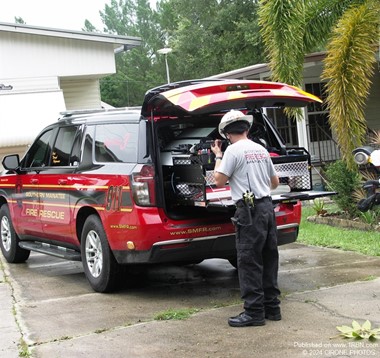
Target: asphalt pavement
column 47, row 304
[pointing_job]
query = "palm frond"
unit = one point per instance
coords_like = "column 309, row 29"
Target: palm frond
column 320, row 17
column 374, row 137
column 282, row 26
column 349, row 66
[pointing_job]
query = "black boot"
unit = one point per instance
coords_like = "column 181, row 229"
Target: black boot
column 245, row 320
column 273, row 314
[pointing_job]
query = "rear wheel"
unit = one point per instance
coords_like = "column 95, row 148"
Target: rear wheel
column 99, row 264
column 9, row 239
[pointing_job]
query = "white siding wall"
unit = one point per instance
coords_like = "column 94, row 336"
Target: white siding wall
column 26, row 55
column 29, row 84
column 81, row 94
column 33, row 65
column 47, row 71
column 23, row 115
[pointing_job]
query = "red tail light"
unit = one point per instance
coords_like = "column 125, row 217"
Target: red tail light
column 143, row 186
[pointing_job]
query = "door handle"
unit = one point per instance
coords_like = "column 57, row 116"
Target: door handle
column 33, row 181
column 62, row 181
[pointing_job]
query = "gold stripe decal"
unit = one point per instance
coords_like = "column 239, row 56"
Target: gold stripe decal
column 75, row 186
column 37, row 203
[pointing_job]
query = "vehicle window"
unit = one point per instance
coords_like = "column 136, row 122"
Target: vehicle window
column 76, row 150
column 60, row 155
column 37, row 155
column 87, row 148
column 116, row 143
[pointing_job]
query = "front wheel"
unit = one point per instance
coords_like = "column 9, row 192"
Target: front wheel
column 9, row 239
column 99, row 264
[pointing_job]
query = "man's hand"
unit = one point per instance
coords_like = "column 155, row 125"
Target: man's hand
column 220, row 178
column 216, row 147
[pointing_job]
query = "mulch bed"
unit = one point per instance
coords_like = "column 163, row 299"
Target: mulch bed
column 339, row 222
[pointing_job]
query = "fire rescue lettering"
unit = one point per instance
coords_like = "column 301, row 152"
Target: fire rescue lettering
column 255, row 156
column 49, row 214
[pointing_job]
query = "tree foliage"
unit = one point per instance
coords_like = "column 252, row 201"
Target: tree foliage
column 283, row 24
column 349, row 67
column 212, row 36
column 350, row 31
column 136, row 69
column 207, row 37
column 19, row 20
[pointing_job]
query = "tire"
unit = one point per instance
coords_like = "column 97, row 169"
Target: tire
column 12, row 252
column 99, row 264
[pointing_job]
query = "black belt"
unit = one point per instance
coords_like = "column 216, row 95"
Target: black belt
column 240, row 202
column 265, row 198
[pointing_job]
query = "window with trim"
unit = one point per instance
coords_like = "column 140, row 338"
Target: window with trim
column 318, row 114
column 286, row 126
column 62, row 149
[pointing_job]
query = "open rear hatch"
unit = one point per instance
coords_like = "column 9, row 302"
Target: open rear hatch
column 185, row 118
column 217, row 96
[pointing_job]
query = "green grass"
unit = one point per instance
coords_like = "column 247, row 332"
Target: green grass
column 365, row 242
column 176, row 314
column 23, row 349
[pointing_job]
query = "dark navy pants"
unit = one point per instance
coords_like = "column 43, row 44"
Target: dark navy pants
column 257, row 257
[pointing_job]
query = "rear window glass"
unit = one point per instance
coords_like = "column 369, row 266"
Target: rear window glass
column 116, row 143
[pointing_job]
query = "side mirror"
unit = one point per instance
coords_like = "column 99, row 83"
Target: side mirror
column 11, row 162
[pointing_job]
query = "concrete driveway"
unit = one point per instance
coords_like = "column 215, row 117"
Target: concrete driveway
column 49, row 304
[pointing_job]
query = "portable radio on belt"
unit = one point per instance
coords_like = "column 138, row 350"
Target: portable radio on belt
column 248, row 196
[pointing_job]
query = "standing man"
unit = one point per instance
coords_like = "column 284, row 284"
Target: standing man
column 251, row 175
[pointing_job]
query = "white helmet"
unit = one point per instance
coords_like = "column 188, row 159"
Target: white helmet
column 232, row 117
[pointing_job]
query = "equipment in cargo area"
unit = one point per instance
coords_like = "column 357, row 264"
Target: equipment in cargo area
column 185, row 117
column 192, row 179
column 188, row 168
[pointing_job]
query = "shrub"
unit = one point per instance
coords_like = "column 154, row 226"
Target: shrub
column 344, row 181
column 319, row 206
column 370, row 217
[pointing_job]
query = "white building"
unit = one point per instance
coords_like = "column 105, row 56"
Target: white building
column 45, row 71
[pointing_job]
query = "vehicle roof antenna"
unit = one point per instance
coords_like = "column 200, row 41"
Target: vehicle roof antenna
column 249, row 183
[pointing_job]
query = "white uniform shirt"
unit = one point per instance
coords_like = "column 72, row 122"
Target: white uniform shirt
column 249, row 167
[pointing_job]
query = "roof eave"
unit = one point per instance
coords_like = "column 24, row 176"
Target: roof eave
column 130, row 41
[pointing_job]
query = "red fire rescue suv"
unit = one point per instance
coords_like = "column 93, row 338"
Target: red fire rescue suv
column 124, row 187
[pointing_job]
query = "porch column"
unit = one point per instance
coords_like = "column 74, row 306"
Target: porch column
column 302, row 131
